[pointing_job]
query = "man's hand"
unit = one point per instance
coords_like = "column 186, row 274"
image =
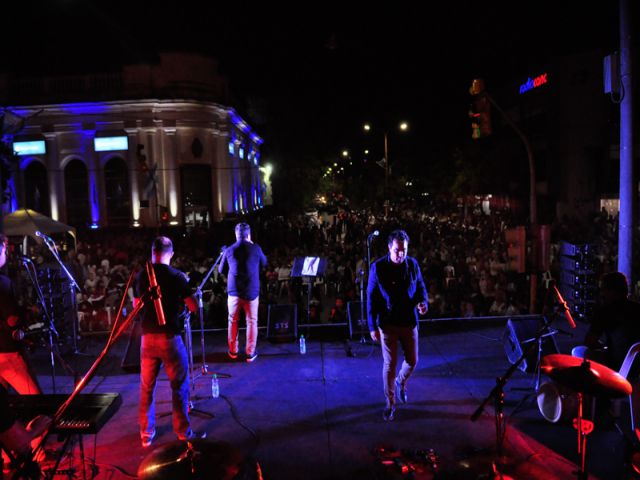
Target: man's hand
column 375, row 335
column 422, row 308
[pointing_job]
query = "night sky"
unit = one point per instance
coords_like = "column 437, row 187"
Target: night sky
column 307, row 76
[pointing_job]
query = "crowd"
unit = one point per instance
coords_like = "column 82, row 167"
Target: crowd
column 461, row 250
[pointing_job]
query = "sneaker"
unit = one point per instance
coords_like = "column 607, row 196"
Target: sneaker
column 191, row 435
column 146, row 439
column 232, row 355
column 387, row 414
column 252, row 357
column 401, row 392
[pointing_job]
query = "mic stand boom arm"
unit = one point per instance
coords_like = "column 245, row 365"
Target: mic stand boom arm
column 198, row 293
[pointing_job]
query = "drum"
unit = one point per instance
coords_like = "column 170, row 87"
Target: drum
column 557, row 403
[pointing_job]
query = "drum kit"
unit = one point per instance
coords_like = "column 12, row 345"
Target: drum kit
column 585, row 377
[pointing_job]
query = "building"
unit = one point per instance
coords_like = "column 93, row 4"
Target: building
column 153, row 144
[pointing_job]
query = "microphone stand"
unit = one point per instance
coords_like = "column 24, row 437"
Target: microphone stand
column 51, row 329
column 204, row 369
column 74, row 286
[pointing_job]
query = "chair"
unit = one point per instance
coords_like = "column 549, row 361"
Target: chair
column 581, row 351
column 624, row 371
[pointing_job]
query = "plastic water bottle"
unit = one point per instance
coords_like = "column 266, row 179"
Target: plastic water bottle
column 303, row 345
column 215, row 386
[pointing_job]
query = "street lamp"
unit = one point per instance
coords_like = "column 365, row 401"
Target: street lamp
column 403, row 127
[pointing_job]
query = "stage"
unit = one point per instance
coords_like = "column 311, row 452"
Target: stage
column 319, row 416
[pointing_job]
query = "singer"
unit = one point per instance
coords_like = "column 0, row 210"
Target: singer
column 243, row 259
column 163, row 343
column 395, row 294
column 14, row 369
column 617, row 319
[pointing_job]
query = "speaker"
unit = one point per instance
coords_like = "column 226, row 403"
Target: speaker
column 282, row 323
column 517, row 338
column 131, row 357
column 357, row 314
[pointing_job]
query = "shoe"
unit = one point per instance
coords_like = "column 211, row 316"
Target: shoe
column 191, row 435
column 387, row 414
column 147, row 440
column 401, row 392
column 252, row 357
column 232, row 355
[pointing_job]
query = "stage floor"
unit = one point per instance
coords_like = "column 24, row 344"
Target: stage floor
column 319, row 415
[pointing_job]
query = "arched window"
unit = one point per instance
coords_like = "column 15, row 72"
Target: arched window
column 116, row 182
column 36, row 183
column 76, row 188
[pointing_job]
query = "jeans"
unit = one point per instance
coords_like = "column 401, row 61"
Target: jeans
column 250, row 307
column 156, row 349
column 15, row 371
column 389, row 338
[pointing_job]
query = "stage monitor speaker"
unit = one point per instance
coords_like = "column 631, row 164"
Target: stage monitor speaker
column 282, row 323
column 131, row 357
column 517, row 337
column 358, row 325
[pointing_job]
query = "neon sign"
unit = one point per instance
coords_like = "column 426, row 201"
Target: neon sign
column 535, row 83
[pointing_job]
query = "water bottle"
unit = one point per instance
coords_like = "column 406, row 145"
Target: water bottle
column 303, row 345
column 215, row 386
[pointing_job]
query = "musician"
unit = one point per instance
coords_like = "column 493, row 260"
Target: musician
column 14, row 369
column 616, row 319
column 395, row 294
column 163, row 343
column 244, row 259
column 14, row 437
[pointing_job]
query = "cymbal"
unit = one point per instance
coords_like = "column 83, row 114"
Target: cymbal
column 585, row 376
column 198, row 459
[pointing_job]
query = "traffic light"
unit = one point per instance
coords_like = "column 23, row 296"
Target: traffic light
column 479, row 111
column 516, row 239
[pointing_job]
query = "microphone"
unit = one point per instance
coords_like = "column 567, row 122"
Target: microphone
column 565, row 307
column 42, row 235
column 375, row 233
column 25, row 258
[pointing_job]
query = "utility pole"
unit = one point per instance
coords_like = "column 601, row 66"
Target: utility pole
column 627, row 180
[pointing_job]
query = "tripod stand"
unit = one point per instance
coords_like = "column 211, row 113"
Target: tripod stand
column 497, row 394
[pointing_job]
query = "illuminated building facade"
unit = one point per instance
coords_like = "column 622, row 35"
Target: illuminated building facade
column 173, row 155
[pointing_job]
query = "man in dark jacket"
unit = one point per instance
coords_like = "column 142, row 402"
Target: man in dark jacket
column 395, row 295
column 244, row 260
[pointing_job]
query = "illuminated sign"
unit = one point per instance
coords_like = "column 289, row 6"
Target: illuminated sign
column 535, row 83
column 108, row 144
column 35, row 147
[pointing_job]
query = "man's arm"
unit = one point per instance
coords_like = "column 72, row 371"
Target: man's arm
column 372, row 291
column 420, row 297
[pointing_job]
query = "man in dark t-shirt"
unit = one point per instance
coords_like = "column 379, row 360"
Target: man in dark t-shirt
column 244, row 260
column 162, row 344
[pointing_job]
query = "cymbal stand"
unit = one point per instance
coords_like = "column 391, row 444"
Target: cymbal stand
column 584, row 427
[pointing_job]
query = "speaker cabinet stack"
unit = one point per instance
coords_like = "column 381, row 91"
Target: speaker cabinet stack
column 578, row 282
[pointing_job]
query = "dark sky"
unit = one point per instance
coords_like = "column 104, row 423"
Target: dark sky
column 310, row 73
